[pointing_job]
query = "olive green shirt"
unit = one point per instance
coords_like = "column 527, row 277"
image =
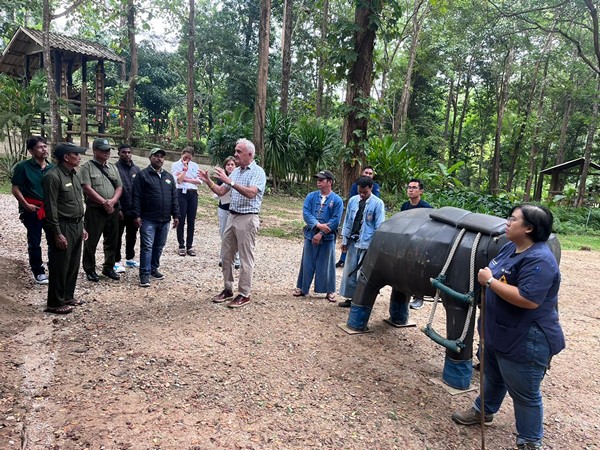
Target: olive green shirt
column 92, row 176
column 63, row 197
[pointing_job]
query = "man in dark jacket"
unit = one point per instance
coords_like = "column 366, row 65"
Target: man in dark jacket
column 128, row 171
column 154, row 203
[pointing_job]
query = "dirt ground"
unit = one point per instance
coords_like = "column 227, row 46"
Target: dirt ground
column 164, row 368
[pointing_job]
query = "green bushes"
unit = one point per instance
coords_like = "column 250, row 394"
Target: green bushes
column 583, row 221
column 230, row 127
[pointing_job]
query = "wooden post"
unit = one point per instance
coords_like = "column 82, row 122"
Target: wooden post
column 83, row 106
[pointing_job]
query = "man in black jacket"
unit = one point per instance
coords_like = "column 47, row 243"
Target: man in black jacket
column 154, row 203
column 128, row 171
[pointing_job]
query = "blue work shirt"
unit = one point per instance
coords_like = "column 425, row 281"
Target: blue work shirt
column 373, row 217
column 535, row 272
column 329, row 212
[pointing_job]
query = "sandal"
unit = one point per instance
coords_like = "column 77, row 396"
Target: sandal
column 74, row 302
column 191, row 252
column 181, row 252
column 65, row 309
column 298, row 293
column 331, row 297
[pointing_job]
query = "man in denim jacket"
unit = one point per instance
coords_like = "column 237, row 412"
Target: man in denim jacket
column 322, row 213
column 364, row 216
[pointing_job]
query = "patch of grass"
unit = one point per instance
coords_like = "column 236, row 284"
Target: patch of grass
column 578, row 242
column 5, row 186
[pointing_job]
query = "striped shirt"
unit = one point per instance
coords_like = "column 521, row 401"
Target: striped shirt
column 252, row 175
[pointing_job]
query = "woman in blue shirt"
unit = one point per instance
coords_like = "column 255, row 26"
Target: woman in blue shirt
column 521, row 328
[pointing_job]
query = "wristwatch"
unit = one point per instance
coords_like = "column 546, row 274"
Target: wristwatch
column 232, row 184
column 488, row 283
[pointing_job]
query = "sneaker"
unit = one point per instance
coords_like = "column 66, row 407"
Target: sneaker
column 238, row 301
column 345, row 304
column 530, row 445
column 471, row 417
column 222, row 296
column 145, row 280
column 132, row 264
column 236, row 266
column 118, row 268
column 41, row 278
column 339, row 264
column 181, row 251
column 157, row 275
column 416, row 303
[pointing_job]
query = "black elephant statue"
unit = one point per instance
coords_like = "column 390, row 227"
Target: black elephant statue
column 425, row 252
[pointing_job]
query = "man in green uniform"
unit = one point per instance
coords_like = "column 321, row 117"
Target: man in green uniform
column 27, row 189
column 102, row 187
column 63, row 202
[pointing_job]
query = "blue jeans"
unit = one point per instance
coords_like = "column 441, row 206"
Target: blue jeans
column 522, row 381
column 153, row 236
column 349, row 279
column 34, row 240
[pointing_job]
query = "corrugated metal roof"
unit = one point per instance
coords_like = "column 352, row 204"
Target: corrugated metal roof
column 30, row 42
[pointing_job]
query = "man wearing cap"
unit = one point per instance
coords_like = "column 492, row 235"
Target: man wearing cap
column 154, row 204
column 27, row 189
column 364, row 216
column 322, row 214
column 127, row 171
column 247, row 185
column 63, row 203
column 102, row 187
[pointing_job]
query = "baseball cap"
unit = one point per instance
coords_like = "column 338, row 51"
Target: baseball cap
column 101, row 144
column 62, row 148
column 156, row 150
column 324, row 174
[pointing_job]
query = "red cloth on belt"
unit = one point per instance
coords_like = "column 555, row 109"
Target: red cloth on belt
column 41, row 212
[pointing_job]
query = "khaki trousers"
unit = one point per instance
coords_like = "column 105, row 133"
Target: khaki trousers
column 239, row 235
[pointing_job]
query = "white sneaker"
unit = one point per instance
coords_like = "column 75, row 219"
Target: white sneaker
column 119, row 268
column 132, row 264
column 41, row 278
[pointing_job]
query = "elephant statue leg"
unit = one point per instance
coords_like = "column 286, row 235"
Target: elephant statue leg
column 458, row 367
column 362, row 303
column 399, row 307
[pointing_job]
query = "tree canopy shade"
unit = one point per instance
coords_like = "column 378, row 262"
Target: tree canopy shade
column 485, row 94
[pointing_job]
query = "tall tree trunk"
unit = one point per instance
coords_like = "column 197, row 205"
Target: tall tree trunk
column 501, row 109
column 464, row 111
column 321, row 63
column 449, row 102
column 359, row 87
column 286, row 54
column 560, row 151
column 589, row 144
column 528, row 108
column 133, row 72
column 532, row 168
column 418, row 20
column 263, row 73
column 55, row 128
column 189, row 134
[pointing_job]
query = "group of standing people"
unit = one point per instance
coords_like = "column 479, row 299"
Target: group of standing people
column 78, row 207
column 522, row 331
